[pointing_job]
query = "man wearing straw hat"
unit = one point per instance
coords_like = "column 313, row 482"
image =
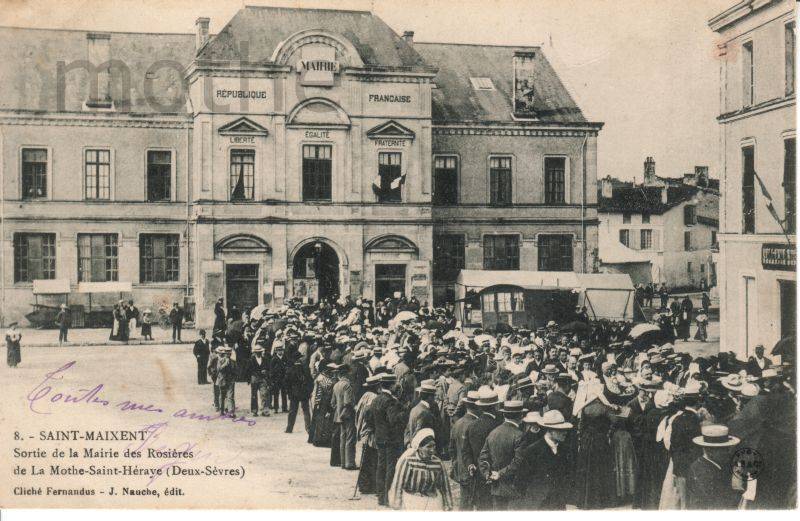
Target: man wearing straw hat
column 422, row 415
column 540, row 475
column 389, row 418
column 258, row 372
column 476, row 438
column 226, row 380
column 458, row 447
column 709, row 478
column 498, row 452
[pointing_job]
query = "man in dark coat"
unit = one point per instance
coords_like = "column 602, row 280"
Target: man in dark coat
column 63, row 321
column 176, row 319
column 663, row 294
column 757, row 363
column 360, row 373
column 299, row 386
column 344, row 416
column 460, row 471
column 498, row 452
column 540, row 478
column 258, row 372
column 476, row 437
column 559, row 399
column 422, row 414
column 683, row 450
column 277, row 377
column 389, row 419
column 709, row 485
column 201, row 351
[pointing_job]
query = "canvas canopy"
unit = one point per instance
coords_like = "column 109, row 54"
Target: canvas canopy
column 605, row 295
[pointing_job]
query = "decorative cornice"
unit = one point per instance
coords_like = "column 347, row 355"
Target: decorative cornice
column 453, row 130
column 765, row 106
column 76, row 120
column 735, row 13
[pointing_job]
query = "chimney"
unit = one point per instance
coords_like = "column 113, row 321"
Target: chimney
column 523, row 67
column 408, row 36
column 649, row 171
column 98, row 53
column 201, row 32
column 606, row 188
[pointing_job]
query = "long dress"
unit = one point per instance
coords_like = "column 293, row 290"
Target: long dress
column 322, row 422
column 653, row 464
column 14, row 352
column 624, row 463
column 369, row 451
column 419, row 484
column 594, row 479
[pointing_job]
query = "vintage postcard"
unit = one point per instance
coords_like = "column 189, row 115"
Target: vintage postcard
column 378, row 255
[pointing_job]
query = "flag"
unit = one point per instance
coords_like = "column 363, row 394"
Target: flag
column 397, row 182
column 768, row 197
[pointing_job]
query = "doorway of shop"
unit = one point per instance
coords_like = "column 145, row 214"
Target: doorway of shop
column 316, row 272
column 241, row 286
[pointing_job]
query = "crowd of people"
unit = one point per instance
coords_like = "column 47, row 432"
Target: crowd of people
column 523, row 419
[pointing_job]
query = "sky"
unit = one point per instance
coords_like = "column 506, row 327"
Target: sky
column 646, row 68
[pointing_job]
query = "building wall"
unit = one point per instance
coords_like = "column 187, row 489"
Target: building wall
column 750, row 306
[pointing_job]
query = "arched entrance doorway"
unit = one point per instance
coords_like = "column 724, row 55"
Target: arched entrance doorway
column 316, row 272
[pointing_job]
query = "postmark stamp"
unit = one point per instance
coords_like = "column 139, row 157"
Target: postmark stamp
column 747, row 463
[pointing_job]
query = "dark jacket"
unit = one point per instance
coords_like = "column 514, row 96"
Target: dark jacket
column 175, row 316
column 458, row 447
column 497, row 453
column 709, row 486
column 201, row 348
column 541, row 480
column 560, row 402
column 277, row 372
column 258, row 372
column 299, row 383
column 389, row 419
column 682, row 449
column 476, row 437
column 420, row 417
column 342, row 402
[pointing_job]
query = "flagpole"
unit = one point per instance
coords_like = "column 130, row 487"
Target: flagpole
column 771, row 207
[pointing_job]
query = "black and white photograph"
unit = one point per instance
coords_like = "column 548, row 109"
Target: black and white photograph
column 373, row 255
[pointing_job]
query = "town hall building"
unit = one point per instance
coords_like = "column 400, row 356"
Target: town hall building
column 297, row 153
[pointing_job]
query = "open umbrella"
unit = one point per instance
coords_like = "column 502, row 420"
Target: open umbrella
column 404, row 316
column 640, row 329
column 257, row 311
column 786, row 347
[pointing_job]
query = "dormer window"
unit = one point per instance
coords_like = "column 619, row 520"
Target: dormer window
column 482, row 83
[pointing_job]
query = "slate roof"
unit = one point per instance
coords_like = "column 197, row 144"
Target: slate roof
column 456, row 100
column 263, row 28
column 638, row 199
column 29, row 69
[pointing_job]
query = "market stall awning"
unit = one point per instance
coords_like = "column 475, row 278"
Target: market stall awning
column 51, row 287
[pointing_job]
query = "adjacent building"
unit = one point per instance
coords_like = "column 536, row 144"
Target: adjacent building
column 757, row 251
column 663, row 230
column 298, row 153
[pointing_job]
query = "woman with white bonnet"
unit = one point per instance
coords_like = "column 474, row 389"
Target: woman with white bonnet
column 13, row 339
column 420, row 480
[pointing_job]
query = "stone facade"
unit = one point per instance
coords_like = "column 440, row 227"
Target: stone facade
column 307, row 172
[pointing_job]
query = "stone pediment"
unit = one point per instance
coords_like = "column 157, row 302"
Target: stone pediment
column 318, row 112
column 242, row 243
column 393, row 243
column 243, row 127
column 390, row 129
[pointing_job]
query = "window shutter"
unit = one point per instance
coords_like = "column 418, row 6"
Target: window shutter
column 656, row 239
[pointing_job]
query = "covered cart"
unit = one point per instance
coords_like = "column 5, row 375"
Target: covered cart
column 48, row 296
column 101, row 299
column 529, row 299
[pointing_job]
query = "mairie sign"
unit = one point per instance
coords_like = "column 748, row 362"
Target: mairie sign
column 779, row 257
column 317, row 72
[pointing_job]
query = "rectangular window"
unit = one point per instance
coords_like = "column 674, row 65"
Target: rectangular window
column 689, row 268
column 98, row 257
column 748, row 79
column 789, row 184
column 687, row 240
column 554, row 191
column 159, row 257
column 389, row 279
column 389, row 172
column 445, row 180
column 34, row 256
column 501, row 252
column 159, row 175
column 34, row 173
column 713, row 238
column 500, row 181
column 448, row 256
column 98, row 174
column 626, row 218
column 645, row 218
column 555, row 253
column 748, row 191
column 689, row 215
column 317, row 168
column 243, row 164
column 646, row 239
column 789, row 50
column 625, row 237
